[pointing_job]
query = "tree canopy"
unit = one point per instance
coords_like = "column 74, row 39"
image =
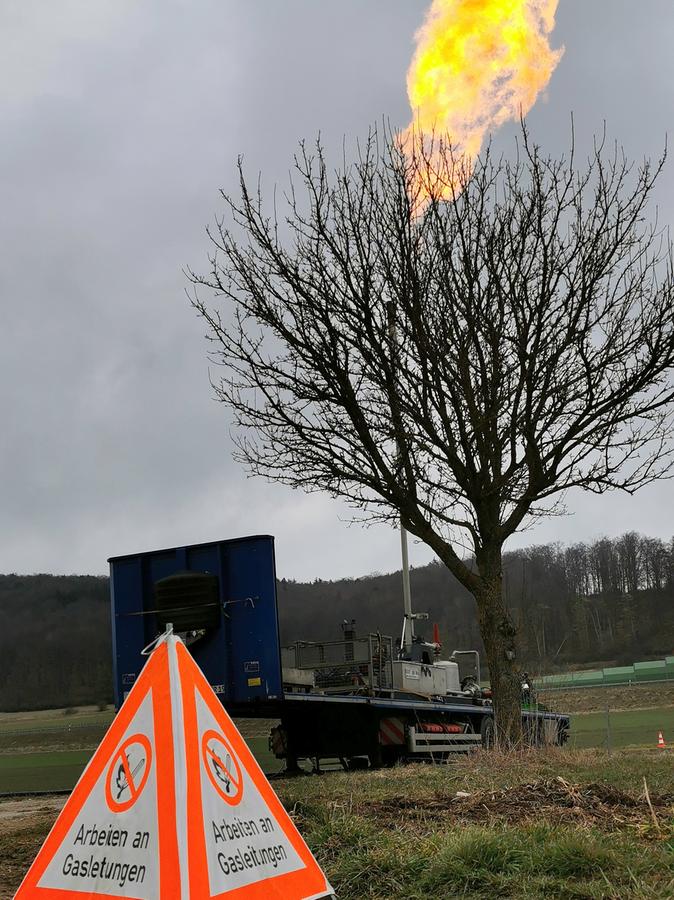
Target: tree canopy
column 455, row 347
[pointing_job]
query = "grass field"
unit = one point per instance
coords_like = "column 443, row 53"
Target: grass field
column 625, row 728
column 57, row 770
column 595, row 699
column 562, row 824
column 78, row 737
column 54, row 720
column 520, row 832
column 571, row 823
column 48, row 750
column 42, row 771
column 35, row 762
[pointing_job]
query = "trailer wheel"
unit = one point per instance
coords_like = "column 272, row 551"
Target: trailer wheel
column 487, row 732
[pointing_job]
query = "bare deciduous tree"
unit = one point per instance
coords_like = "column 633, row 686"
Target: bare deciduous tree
column 531, row 351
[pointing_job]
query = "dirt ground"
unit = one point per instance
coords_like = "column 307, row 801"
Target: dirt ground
column 48, row 714
column 554, row 800
column 24, row 824
column 641, row 696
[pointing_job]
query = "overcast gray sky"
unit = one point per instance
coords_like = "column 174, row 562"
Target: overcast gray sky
column 120, row 121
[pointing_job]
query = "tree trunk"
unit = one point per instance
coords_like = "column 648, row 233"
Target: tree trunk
column 499, row 637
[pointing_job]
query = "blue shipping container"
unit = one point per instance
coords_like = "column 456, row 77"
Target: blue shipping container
column 241, row 656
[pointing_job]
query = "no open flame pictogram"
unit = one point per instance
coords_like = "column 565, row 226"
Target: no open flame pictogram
column 128, row 773
column 222, row 767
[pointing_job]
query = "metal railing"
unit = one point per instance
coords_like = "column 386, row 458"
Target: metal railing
column 356, row 663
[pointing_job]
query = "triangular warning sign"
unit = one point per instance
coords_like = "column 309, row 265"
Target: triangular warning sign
column 241, row 841
column 116, row 835
column 173, row 806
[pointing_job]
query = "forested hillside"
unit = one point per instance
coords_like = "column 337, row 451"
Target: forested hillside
column 55, row 647
column 611, row 601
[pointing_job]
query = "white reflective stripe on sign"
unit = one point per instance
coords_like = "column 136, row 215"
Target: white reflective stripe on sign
column 112, row 846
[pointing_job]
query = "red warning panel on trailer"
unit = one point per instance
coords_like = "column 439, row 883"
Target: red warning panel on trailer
column 116, row 835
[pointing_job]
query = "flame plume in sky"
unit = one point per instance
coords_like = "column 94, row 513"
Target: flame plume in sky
column 479, row 63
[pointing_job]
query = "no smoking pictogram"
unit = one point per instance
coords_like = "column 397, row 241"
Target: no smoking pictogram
column 222, row 766
column 128, row 773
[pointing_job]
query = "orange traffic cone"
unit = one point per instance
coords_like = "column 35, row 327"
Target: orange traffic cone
column 661, row 741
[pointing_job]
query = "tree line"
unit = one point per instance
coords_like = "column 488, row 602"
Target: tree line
column 55, row 642
column 608, row 601
column 605, row 602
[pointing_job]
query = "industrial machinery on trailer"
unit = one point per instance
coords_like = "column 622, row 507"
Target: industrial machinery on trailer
column 367, row 700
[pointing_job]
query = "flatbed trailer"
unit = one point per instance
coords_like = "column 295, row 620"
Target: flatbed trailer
column 221, row 597
column 383, row 731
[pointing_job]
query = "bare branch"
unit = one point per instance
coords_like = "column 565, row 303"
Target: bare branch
column 534, row 333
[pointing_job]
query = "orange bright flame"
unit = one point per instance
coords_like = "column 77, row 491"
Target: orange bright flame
column 478, row 63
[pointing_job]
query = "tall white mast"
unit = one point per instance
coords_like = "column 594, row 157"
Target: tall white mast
column 408, row 621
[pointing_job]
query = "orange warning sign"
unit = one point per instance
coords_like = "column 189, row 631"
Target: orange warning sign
column 127, row 834
column 250, row 849
column 116, row 835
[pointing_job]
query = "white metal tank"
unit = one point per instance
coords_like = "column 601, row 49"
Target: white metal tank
column 438, row 678
column 452, row 675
